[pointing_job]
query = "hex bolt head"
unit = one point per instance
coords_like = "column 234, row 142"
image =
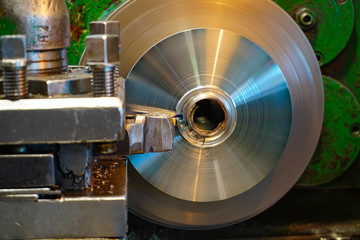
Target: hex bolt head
column 305, row 18
column 105, row 27
column 102, row 49
column 13, row 50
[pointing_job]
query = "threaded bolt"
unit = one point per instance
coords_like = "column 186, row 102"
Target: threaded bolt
column 13, row 49
column 117, row 72
column 15, row 83
column 107, row 27
column 103, row 81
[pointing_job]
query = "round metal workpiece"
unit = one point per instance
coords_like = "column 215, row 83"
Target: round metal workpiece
column 224, row 145
column 253, row 81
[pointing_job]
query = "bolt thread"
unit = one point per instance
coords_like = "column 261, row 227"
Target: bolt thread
column 15, row 83
column 116, row 76
column 103, row 81
column 117, row 71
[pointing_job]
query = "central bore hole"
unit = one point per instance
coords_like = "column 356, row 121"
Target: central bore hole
column 208, row 114
column 307, row 19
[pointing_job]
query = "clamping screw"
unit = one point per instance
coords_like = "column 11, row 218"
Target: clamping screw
column 107, row 27
column 13, row 51
column 102, row 56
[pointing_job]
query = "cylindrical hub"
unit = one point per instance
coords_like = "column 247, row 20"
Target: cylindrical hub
column 208, row 113
column 46, row 25
column 47, row 62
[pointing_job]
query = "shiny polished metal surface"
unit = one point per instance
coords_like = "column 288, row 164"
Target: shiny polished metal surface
column 268, row 92
column 223, row 162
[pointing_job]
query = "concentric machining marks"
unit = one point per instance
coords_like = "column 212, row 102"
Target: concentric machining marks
column 200, row 190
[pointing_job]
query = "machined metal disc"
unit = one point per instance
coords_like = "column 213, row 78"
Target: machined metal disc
column 246, row 85
column 200, row 66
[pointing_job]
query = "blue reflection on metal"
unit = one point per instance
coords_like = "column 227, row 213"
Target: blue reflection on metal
column 145, row 162
column 269, row 82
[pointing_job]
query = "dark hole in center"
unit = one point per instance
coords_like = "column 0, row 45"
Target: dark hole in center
column 208, row 114
column 307, row 19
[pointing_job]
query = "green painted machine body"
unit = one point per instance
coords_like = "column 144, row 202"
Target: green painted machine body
column 327, row 24
column 7, row 27
column 334, row 33
column 339, row 143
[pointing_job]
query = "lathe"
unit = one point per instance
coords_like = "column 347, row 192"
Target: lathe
column 192, row 114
